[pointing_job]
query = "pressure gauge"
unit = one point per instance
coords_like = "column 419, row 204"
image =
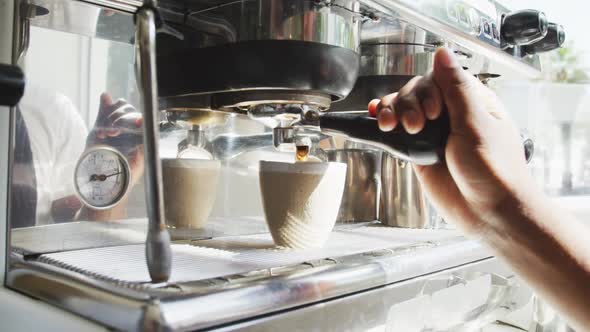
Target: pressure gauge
column 101, row 177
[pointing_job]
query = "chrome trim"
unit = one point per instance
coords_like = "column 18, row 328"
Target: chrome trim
column 120, row 308
column 404, row 11
column 158, row 251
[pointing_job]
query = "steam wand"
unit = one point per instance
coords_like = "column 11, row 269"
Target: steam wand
column 158, row 250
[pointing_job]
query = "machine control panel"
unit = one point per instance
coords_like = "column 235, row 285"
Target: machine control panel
column 528, row 31
column 478, row 18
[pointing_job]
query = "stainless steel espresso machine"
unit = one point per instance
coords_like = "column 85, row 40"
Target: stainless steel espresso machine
column 100, row 97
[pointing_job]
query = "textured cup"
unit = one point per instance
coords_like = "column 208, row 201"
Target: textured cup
column 190, row 187
column 301, row 201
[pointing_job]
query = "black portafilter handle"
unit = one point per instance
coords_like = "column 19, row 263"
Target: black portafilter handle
column 424, row 148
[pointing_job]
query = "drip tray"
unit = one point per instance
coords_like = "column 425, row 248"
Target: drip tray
column 231, row 255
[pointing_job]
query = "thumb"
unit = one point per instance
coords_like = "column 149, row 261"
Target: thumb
column 458, row 88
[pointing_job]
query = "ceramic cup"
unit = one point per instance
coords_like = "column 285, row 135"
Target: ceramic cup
column 301, row 201
column 190, row 187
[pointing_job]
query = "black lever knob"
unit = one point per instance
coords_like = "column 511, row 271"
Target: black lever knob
column 523, row 27
column 553, row 40
column 12, row 84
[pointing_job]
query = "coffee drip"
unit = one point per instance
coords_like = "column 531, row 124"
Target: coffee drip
column 302, row 152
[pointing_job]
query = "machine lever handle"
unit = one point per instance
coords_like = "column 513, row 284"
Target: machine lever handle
column 424, row 148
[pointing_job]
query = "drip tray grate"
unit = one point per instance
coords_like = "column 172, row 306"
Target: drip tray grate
column 232, row 255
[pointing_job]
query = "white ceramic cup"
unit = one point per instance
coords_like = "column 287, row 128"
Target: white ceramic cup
column 190, row 187
column 301, row 201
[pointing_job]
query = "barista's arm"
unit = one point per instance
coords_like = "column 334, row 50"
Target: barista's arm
column 485, row 187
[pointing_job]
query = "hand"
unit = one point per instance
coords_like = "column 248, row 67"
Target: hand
column 484, row 166
column 118, row 124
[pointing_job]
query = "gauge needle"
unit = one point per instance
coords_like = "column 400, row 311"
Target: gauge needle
column 104, row 177
column 101, row 177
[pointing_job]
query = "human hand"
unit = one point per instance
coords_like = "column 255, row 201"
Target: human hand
column 118, row 125
column 484, row 167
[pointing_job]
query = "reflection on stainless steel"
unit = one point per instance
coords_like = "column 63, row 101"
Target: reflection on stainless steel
column 404, row 201
column 283, row 135
column 302, row 47
column 334, row 23
column 362, row 191
column 158, row 252
column 394, row 31
column 422, row 15
column 228, row 146
column 396, row 307
column 258, row 98
column 396, row 59
column 187, row 118
column 321, row 25
column 80, row 17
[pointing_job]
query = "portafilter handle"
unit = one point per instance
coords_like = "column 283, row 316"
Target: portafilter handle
column 424, row 148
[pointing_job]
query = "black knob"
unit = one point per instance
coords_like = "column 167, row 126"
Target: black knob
column 12, row 84
column 523, row 27
column 554, row 39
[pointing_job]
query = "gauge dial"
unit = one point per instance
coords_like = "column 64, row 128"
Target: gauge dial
column 101, row 177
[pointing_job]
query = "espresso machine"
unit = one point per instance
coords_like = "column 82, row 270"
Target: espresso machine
column 236, row 82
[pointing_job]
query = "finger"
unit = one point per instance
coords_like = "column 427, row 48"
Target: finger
column 125, row 116
column 103, row 110
column 112, row 132
column 387, row 120
column 105, row 100
column 410, row 113
column 100, row 133
column 458, row 89
column 386, row 102
column 408, row 108
column 430, row 98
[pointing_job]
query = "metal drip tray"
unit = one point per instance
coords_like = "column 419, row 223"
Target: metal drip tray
column 206, row 259
column 232, row 278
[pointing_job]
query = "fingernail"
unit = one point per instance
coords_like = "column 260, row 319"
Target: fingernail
column 385, row 119
column 446, row 58
column 411, row 121
column 429, row 108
